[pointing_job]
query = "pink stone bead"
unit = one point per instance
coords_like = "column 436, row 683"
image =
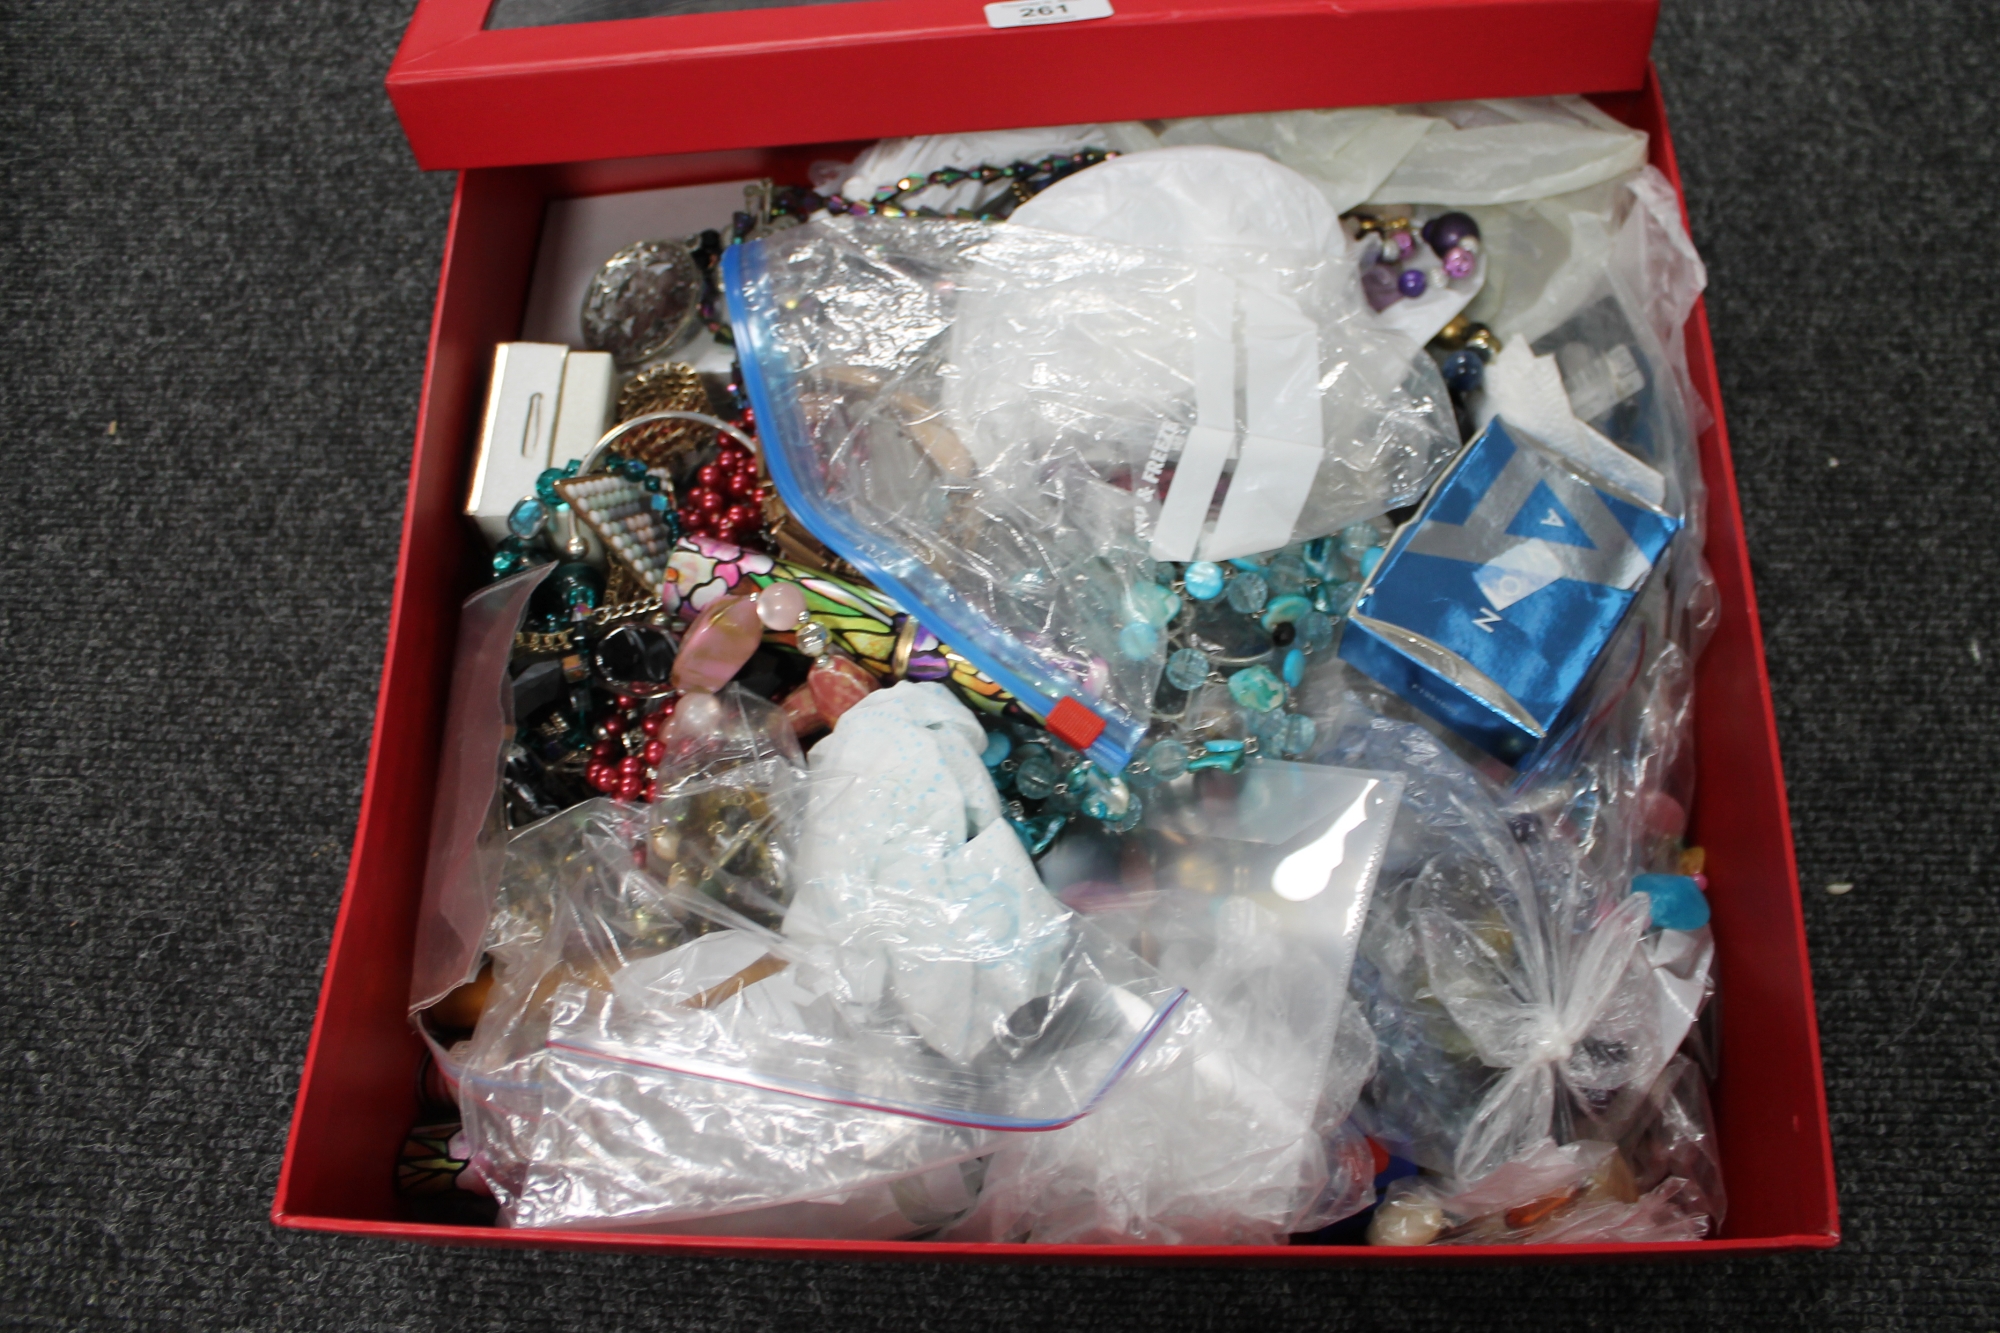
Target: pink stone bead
column 802, row 711
column 780, row 605
column 717, row 644
column 837, row 684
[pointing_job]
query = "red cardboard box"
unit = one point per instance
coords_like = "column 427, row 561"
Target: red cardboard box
column 497, row 103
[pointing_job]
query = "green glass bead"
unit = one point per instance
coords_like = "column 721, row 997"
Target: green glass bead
column 545, row 485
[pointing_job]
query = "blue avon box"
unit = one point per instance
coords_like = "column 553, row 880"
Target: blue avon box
column 1489, row 608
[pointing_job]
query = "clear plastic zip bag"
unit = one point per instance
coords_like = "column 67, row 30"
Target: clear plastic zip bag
column 1004, row 427
column 1231, row 1128
column 873, row 936
column 563, row 1137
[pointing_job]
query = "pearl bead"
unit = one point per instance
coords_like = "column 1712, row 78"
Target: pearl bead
column 1406, row 1219
column 698, row 715
column 1447, row 230
column 1459, row 263
column 780, row 605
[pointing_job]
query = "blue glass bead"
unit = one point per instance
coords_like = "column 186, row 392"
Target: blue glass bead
column 1300, row 733
column 1203, row 580
column 1294, row 668
column 1315, row 631
column 1320, row 555
column 527, row 518
column 507, row 562
column 1036, row 777
column 659, row 504
column 1105, row 798
column 1248, row 564
column 1248, row 593
column 1676, row 901
column 1286, row 574
column 571, row 468
column 1268, row 728
column 635, row 469
column 1167, row 760
column 1224, row 755
column 1358, row 537
column 1135, row 810
column 1036, row 834
column 1151, row 603
column 1369, row 559
column 1138, row 641
column 1464, row 370
column 1187, row 668
column 545, row 485
column 652, row 483
column 1257, row 687
column 998, row 747
column 1284, row 610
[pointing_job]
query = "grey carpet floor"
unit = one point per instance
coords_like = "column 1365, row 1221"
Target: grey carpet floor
column 215, row 239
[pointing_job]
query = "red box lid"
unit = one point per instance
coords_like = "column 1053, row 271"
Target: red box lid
column 472, row 92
